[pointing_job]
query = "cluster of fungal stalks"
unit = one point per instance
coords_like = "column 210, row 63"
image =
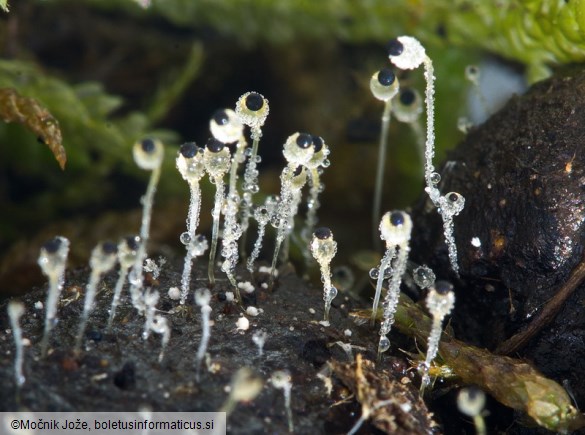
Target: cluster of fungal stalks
column 306, row 156
column 406, row 53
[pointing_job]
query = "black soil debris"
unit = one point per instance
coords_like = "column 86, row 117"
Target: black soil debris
column 119, row 371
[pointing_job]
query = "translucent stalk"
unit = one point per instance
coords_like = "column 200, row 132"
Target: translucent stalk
column 326, row 274
column 202, row 298
column 236, row 160
column 380, row 171
column 250, row 187
column 323, row 248
column 262, row 214
column 15, row 312
column 231, row 234
column 290, row 226
column 245, row 222
column 51, row 305
column 432, row 349
column 391, row 299
column 155, row 322
column 430, row 106
column 192, row 224
column 290, row 194
column 103, row 258
column 386, row 260
column 395, row 229
column 282, row 380
column 280, row 235
column 117, row 293
column 127, row 251
column 440, row 302
column 55, row 286
column 257, row 246
column 219, row 193
column 206, row 334
column 136, row 275
column 479, row 424
column 52, row 260
column 448, row 230
column 289, row 416
column 313, row 204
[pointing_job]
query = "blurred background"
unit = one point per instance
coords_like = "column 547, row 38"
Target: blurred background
column 111, row 72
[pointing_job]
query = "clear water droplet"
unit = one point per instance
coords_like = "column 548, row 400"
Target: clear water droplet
column 185, row 238
column 423, row 276
column 200, row 245
column 384, row 344
column 435, row 178
column 374, row 273
column 332, row 292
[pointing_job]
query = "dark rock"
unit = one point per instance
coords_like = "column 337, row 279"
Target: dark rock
column 523, row 177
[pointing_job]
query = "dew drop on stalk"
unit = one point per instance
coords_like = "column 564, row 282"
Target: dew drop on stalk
column 423, row 276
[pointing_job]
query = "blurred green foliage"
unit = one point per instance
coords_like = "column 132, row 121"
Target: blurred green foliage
column 98, row 142
column 538, row 33
column 99, row 128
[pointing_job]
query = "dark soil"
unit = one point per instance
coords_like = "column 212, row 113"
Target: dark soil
column 119, row 371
